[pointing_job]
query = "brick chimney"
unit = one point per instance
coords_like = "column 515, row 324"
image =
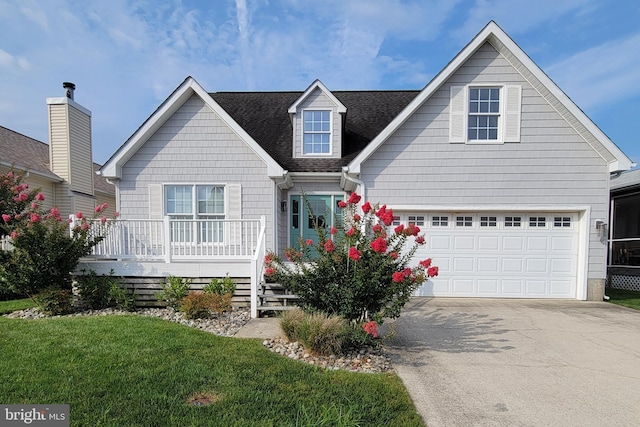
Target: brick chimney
column 70, row 155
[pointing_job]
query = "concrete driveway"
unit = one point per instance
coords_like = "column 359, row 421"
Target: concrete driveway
column 489, row 362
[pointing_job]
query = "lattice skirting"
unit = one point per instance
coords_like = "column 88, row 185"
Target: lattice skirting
column 627, row 283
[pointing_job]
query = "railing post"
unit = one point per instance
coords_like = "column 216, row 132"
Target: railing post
column 72, row 223
column 166, row 225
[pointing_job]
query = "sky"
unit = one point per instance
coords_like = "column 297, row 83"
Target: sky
column 127, row 56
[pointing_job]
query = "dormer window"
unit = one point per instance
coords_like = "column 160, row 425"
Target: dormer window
column 316, row 137
column 484, row 113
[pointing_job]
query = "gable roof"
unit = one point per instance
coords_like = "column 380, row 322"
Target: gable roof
column 264, row 116
column 494, row 35
column 27, row 154
column 626, row 181
column 113, row 167
column 317, row 84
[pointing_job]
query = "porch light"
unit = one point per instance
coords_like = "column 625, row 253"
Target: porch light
column 283, row 205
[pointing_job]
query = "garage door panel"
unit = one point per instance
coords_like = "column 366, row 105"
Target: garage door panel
column 563, row 266
column 537, row 265
column 512, row 287
column 538, row 243
column 564, row 244
column 489, row 243
column 463, row 265
column 462, row 243
column 439, row 243
column 536, row 287
column 488, row 265
column 463, row 286
column 562, row 288
column 513, row 243
column 488, row 287
column 512, row 265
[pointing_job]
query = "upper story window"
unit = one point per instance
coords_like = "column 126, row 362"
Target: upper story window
column 316, row 137
column 484, row 113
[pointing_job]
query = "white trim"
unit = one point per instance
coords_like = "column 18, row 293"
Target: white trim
column 68, row 101
column 331, row 136
column 113, row 167
column 490, row 32
column 317, row 84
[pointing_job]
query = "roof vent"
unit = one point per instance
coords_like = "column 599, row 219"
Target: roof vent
column 69, row 88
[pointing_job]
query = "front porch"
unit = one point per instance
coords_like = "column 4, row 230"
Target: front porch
column 144, row 252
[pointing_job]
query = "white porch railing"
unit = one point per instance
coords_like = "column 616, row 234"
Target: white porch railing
column 172, row 240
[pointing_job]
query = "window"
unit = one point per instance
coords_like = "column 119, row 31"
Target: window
column 440, row 221
column 316, row 137
column 562, row 221
column 537, row 221
column 396, row 221
column 416, row 220
column 200, row 202
column 512, row 221
column 464, row 221
column 488, row 221
column 484, row 113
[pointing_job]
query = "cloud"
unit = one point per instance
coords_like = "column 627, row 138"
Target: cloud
column 602, row 75
column 37, row 16
column 9, row 61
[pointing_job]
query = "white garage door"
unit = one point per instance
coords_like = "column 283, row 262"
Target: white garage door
column 519, row 255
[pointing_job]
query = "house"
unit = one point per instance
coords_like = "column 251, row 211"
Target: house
column 624, row 233
column 63, row 170
column 507, row 177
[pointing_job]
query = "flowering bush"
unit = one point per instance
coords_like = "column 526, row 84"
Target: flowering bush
column 45, row 251
column 360, row 270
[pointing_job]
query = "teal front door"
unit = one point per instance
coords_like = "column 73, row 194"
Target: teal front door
column 303, row 219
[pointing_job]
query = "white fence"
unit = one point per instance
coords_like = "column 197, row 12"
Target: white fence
column 171, row 239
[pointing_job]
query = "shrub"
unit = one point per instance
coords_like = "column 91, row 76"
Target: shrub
column 94, row 290
column 119, row 297
column 197, row 305
column 44, row 249
column 359, row 270
column 317, row 332
column 174, row 290
column 221, row 303
column 54, row 301
column 221, row 286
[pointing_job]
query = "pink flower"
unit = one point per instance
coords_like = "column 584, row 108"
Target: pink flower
column 84, row 226
column 98, row 209
column 6, row 217
column 393, row 255
column 354, row 253
column 309, row 242
column 34, row 217
column 371, row 328
column 40, row 197
column 426, row 263
column 79, row 215
column 34, row 206
column 377, row 228
column 366, row 207
column 399, row 229
column 342, row 204
column 379, row 245
column 412, row 230
column 398, row 276
column 351, row 231
column 356, row 217
column 420, row 240
column 14, row 235
column 432, row 271
column 105, row 206
column 22, row 197
column 354, row 198
column 269, row 271
column 54, row 212
column 329, row 246
column 116, row 214
column 333, row 231
column 406, row 272
column 103, row 220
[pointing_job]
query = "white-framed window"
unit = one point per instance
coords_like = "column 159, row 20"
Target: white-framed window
column 537, row 221
column 513, row 221
column 562, row 221
column 316, row 134
column 485, row 114
column 464, row 221
column 195, row 202
column 440, row 221
column 488, row 221
column 415, row 220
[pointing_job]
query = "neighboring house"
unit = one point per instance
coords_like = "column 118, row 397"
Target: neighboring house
column 506, row 176
column 624, row 235
column 63, row 170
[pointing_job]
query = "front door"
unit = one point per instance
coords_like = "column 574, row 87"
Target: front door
column 319, row 210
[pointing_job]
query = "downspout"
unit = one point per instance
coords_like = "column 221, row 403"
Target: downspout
column 363, row 188
column 115, row 184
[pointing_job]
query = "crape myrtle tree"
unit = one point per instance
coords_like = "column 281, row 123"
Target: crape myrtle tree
column 360, row 269
column 44, row 250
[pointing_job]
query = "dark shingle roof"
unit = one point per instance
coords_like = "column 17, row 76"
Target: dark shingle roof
column 264, row 116
column 29, row 154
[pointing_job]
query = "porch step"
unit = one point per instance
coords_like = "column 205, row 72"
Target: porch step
column 274, row 297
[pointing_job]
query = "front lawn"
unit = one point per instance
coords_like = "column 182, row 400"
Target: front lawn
column 142, row 371
column 629, row 299
column 14, row 305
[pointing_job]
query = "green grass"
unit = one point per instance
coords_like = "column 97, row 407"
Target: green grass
column 18, row 304
column 141, row 371
column 629, row 299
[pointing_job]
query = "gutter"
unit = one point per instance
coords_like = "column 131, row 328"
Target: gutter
column 349, row 183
